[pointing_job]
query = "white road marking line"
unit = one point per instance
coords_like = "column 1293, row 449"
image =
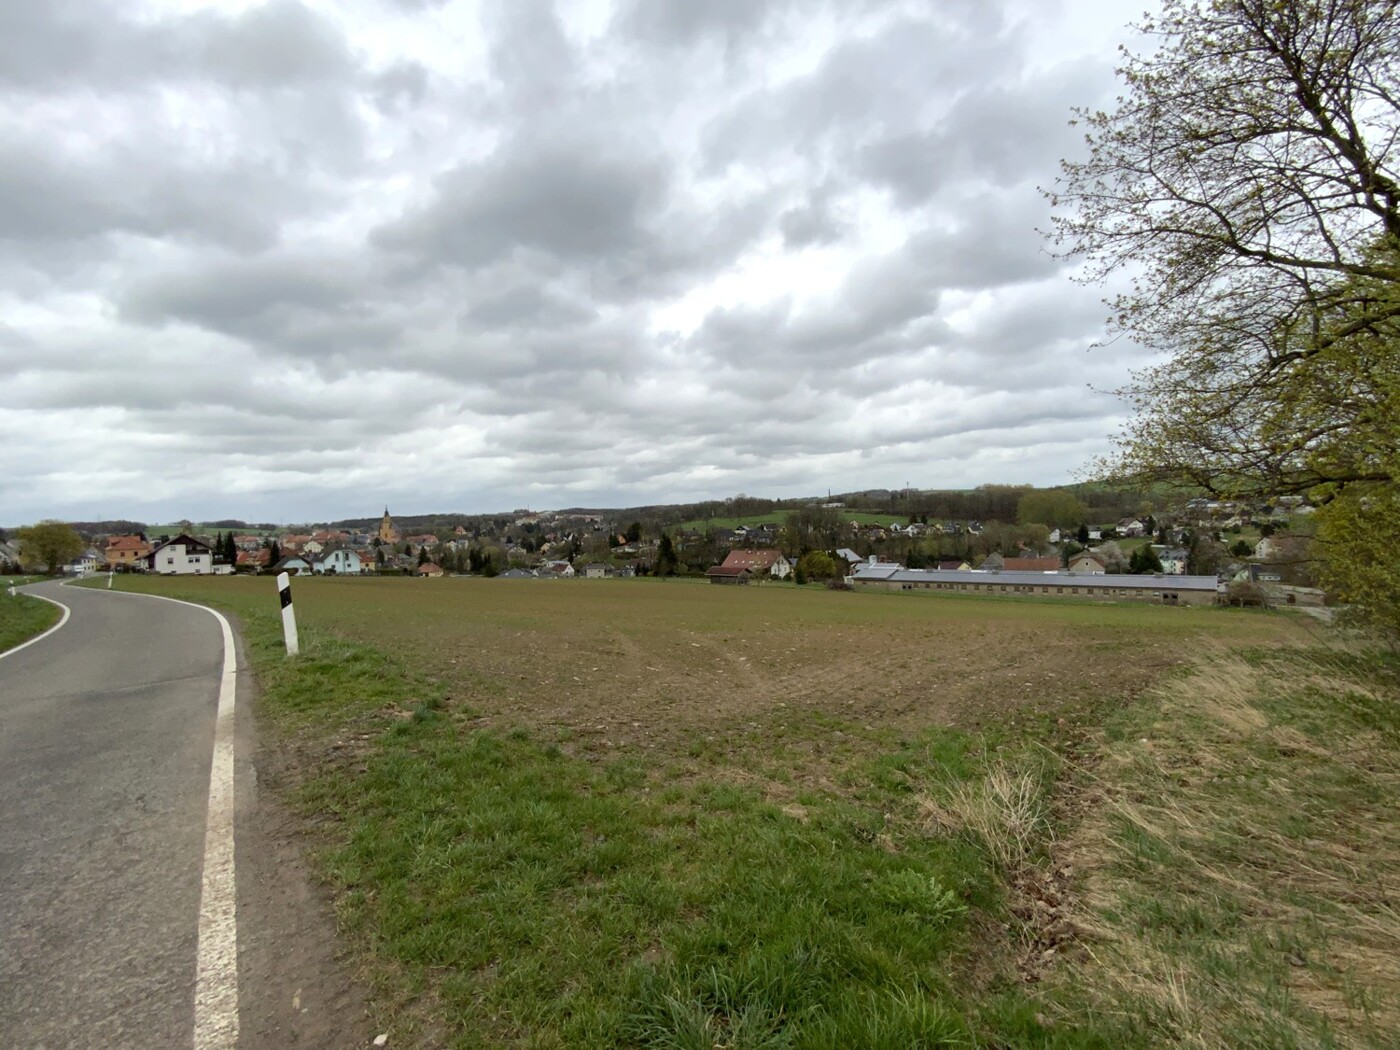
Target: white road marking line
column 40, row 637
column 216, row 965
column 216, row 978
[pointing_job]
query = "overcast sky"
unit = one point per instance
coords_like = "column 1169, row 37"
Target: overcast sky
column 297, row 260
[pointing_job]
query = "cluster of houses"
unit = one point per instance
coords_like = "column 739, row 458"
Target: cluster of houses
column 181, row 555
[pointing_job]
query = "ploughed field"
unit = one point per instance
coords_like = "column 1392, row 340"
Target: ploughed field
column 653, row 666
column 665, row 814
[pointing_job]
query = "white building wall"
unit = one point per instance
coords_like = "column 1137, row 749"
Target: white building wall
column 176, row 560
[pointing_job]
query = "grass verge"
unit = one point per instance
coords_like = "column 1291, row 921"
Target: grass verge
column 1239, row 857
column 22, row 617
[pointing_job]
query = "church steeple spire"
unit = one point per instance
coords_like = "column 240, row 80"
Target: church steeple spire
column 387, row 532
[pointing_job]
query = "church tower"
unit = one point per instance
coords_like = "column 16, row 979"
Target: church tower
column 387, row 532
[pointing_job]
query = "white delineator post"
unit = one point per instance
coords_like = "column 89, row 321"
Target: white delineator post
column 110, row 574
column 289, row 617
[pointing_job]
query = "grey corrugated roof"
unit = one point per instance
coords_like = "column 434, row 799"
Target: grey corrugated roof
column 879, row 571
column 1095, row 581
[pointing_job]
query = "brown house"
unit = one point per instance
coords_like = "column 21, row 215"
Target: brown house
column 126, row 550
column 1085, row 561
column 754, row 560
column 258, row 559
column 429, row 568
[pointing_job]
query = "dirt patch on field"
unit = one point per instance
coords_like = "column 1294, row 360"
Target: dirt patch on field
column 597, row 688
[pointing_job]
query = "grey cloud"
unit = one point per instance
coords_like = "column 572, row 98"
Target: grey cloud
column 401, row 86
column 577, row 205
column 242, row 298
column 274, row 44
column 45, row 196
column 59, row 42
column 531, row 55
column 680, row 22
column 895, row 75
column 814, row 223
column 525, row 306
column 999, row 134
column 887, row 305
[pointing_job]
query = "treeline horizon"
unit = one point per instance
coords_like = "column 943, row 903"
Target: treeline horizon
column 1102, row 503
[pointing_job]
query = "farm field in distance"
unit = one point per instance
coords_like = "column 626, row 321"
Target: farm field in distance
column 655, row 666
column 648, row 813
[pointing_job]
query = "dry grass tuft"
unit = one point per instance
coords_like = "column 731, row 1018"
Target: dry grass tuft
column 1005, row 812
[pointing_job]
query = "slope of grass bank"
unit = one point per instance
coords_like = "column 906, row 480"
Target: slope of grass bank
column 22, row 617
column 1028, row 882
column 1239, row 856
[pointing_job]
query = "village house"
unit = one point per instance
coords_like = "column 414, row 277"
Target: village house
column 1173, row 559
column 129, row 551
column 1031, row 564
column 293, row 543
column 182, row 556
column 429, row 568
column 850, row 557
column 91, row 560
column 1087, row 562
column 293, row 565
column 759, row 562
column 338, row 562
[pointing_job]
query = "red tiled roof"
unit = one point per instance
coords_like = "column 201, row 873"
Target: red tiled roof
column 1031, row 564
column 751, row 559
column 127, row 543
column 727, row 570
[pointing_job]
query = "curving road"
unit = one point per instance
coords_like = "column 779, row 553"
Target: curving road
column 113, row 835
column 106, row 737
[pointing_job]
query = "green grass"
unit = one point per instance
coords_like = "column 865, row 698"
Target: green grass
column 840, row 862
column 22, row 617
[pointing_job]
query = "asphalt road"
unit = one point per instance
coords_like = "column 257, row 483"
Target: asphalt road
column 106, row 737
